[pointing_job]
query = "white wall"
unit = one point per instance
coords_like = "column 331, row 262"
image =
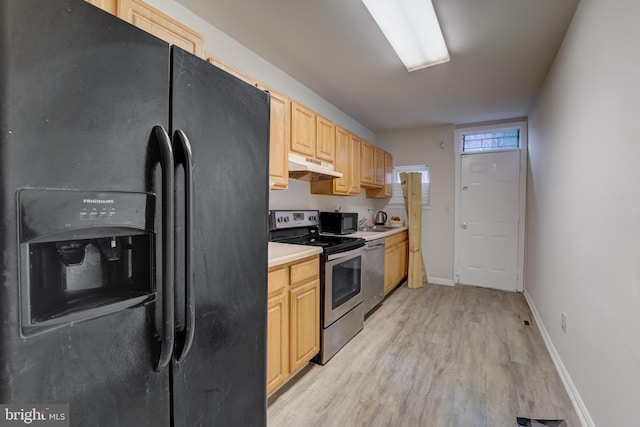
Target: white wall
column 422, row 146
column 583, row 208
column 221, row 46
column 297, row 196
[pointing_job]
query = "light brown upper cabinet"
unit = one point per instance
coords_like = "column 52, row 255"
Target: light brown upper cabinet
column 378, row 164
column 231, row 70
column 311, row 134
column 279, row 138
column 153, row 21
column 343, row 164
column 367, row 167
column 110, row 6
column 326, row 139
column 355, row 159
column 387, row 190
column 346, row 162
column 303, row 130
column 388, row 175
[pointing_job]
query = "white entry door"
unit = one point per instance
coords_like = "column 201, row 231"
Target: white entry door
column 489, row 220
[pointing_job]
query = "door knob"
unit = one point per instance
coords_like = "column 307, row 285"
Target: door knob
column 464, row 226
column 465, row 188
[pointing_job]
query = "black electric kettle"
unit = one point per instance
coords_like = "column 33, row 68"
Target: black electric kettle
column 380, row 218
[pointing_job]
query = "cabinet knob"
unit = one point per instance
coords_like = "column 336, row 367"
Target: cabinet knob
column 464, row 226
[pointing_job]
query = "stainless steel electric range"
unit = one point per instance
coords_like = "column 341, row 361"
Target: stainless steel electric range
column 341, row 306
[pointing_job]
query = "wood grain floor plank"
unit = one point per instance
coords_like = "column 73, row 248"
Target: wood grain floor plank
column 438, row 356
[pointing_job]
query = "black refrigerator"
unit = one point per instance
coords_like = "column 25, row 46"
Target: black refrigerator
column 134, row 198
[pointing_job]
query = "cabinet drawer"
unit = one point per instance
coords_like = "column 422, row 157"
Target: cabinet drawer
column 394, row 239
column 305, row 270
column 278, row 278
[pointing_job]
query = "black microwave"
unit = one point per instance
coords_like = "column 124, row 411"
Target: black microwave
column 338, row 222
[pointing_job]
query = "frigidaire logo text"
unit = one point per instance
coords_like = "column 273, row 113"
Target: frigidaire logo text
column 28, row 416
column 98, row 201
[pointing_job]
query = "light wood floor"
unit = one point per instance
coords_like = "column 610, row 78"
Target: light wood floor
column 439, row 356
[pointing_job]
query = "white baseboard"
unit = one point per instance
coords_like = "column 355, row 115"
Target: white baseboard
column 576, row 400
column 441, row 281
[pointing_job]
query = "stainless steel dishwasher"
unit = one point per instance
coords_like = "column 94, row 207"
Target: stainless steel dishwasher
column 373, row 274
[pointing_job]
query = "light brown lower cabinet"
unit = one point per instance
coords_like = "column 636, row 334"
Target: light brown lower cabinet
column 278, row 339
column 293, row 319
column 305, row 323
column 396, row 256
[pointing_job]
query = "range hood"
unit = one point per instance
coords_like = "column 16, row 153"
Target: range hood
column 308, row 169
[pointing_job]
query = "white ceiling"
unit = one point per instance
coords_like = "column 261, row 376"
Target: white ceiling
column 500, row 53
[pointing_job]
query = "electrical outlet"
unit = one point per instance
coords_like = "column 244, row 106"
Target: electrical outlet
column 563, row 322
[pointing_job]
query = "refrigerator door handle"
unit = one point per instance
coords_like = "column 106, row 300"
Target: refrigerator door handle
column 184, row 156
column 166, row 163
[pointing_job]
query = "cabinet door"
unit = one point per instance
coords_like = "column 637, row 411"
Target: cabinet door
column 277, row 339
column 366, row 165
column 378, row 160
column 386, row 191
column 342, row 163
column 388, row 175
column 305, row 323
column 279, row 139
column 303, row 130
column 153, row 21
column 233, row 71
column 325, row 139
column 355, row 158
column 110, row 6
column 397, row 267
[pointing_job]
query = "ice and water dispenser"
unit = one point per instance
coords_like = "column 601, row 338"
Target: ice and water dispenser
column 83, row 255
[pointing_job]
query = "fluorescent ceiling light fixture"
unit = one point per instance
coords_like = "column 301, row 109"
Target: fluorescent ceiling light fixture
column 412, row 28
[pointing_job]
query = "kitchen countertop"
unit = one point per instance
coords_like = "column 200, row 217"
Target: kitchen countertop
column 373, row 235
column 282, row 253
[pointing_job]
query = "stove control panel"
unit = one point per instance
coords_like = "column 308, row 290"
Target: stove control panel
column 292, row 219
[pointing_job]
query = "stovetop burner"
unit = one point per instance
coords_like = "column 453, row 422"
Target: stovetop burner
column 330, row 244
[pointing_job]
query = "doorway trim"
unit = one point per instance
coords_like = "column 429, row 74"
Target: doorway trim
column 520, row 124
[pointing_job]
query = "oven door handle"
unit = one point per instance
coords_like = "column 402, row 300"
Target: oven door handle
column 351, row 253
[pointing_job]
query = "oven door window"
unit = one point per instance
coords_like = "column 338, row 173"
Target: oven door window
column 346, row 281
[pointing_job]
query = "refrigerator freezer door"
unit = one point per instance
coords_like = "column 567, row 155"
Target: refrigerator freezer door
column 81, row 91
column 222, row 380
